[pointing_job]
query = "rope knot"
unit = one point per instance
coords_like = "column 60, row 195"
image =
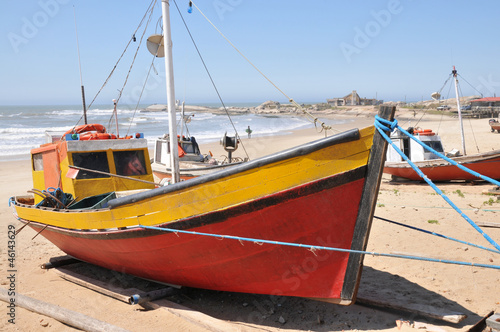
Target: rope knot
column 384, row 124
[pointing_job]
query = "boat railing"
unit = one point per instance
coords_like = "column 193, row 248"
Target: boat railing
column 344, row 137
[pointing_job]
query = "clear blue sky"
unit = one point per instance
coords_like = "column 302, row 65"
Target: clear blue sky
column 313, row 50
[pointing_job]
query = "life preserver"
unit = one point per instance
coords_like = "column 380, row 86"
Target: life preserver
column 181, row 151
column 424, row 132
column 94, row 136
column 99, row 128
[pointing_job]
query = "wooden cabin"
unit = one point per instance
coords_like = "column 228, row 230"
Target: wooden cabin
column 97, row 161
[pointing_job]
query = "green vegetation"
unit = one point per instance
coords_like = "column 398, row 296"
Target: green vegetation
column 380, row 205
column 433, row 221
column 490, row 202
column 459, row 193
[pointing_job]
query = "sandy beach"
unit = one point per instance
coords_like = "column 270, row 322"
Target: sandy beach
column 436, row 287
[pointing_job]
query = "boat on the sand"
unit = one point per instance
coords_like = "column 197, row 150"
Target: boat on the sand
column 95, row 199
column 433, row 167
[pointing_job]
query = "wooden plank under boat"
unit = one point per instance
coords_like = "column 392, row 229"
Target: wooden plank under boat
column 322, row 193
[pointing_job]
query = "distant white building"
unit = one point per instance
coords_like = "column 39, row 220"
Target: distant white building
column 353, row 99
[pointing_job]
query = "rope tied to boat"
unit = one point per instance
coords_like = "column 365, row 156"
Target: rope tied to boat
column 383, row 126
column 437, row 234
column 313, row 250
column 261, row 242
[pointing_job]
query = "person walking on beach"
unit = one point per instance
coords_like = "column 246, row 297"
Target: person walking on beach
column 249, row 132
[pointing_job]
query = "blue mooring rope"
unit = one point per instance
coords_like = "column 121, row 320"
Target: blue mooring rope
column 381, row 125
column 312, row 248
column 385, row 125
column 436, row 234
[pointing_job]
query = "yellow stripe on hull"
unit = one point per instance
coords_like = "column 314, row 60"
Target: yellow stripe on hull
column 216, row 195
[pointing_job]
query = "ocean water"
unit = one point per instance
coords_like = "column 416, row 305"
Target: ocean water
column 23, row 128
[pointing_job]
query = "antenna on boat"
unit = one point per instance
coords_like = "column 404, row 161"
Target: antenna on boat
column 116, row 116
column 454, row 73
column 80, row 66
column 169, row 71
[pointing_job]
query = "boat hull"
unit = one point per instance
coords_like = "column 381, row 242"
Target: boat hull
column 321, row 213
column 487, row 164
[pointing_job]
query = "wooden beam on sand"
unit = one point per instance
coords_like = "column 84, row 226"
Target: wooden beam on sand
column 488, row 224
column 96, row 285
column 479, row 326
column 192, row 316
column 63, row 315
column 128, row 295
column 59, row 261
column 419, row 309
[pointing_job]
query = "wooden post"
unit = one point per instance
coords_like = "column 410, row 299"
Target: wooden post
column 366, row 210
column 66, row 316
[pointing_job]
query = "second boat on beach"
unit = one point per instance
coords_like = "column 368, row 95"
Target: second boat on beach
column 433, row 167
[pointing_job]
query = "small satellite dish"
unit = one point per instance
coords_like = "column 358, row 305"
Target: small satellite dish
column 155, row 45
column 436, row 95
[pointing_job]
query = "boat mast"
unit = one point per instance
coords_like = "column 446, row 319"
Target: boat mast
column 169, row 71
column 182, row 121
column 80, row 66
column 454, row 72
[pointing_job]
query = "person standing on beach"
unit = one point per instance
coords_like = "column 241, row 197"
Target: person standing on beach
column 249, row 132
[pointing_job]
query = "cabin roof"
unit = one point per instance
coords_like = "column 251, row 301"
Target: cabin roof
column 118, row 144
column 486, row 99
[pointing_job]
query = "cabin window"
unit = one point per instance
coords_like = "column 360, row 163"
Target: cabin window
column 158, row 151
column 38, row 162
column 96, row 161
column 436, row 145
column 130, row 163
column 406, row 147
column 187, row 147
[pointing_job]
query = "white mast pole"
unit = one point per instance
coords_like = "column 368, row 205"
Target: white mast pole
column 454, row 72
column 169, row 71
column 182, row 121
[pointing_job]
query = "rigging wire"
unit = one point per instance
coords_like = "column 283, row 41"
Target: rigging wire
column 445, row 82
column 135, row 55
column 210, row 77
column 121, row 56
column 437, row 234
column 471, row 85
column 152, row 66
column 470, row 123
column 140, row 96
column 471, row 128
column 421, row 117
column 312, row 118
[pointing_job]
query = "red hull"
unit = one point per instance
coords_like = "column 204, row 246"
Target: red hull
column 489, row 167
column 495, row 127
column 231, row 265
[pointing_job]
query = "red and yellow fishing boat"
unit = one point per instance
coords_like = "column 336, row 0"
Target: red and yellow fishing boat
column 95, row 200
column 322, row 193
